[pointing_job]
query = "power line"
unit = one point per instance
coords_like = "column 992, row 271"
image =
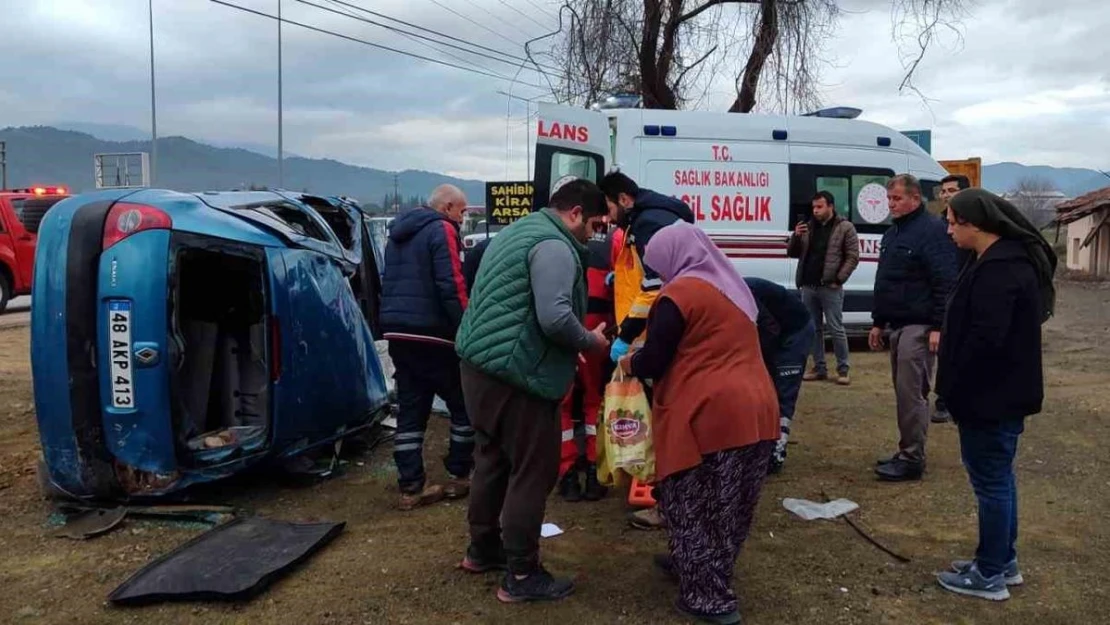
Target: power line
column 478, row 24
column 414, row 39
column 411, row 38
column 542, row 10
column 506, row 61
column 433, row 31
column 539, row 68
column 522, row 13
column 372, row 44
column 487, row 13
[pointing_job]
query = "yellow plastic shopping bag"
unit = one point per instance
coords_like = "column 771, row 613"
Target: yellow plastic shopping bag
column 625, row 442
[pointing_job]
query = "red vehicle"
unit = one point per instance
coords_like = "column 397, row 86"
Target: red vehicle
column 21, row 210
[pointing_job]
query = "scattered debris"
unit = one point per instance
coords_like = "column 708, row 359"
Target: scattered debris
column 234, row 561
column 83, row 522
column 91, row 523
column 550, row 530
column 810, row 510
column 870, row 539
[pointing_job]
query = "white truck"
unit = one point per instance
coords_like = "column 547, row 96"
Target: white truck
column 748, row 178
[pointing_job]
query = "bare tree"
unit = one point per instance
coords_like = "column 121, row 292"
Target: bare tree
column 1036, row 198
column 669, row 51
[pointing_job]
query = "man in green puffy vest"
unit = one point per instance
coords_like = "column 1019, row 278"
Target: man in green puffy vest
column 519, row 342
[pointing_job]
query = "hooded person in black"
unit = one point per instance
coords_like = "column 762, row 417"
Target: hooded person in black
column 990, row 371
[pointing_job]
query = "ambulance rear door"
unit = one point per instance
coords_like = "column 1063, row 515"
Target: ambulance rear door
column 570, row 142
column 733, row 173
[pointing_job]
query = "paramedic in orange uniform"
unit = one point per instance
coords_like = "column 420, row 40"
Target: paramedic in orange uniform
column 583, row 402
column 640, row 213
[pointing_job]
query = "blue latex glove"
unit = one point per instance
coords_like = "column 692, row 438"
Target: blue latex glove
column 609, row 278
column 618, row 350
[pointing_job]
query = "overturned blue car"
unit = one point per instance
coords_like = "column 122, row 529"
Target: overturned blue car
column 181, row 338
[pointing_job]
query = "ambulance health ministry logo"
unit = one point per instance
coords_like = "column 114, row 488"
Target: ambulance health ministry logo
column 871, row 203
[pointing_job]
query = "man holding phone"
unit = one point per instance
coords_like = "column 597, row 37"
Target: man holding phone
column 827, row 249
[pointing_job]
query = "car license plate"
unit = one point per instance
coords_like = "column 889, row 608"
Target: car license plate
column 119, row 341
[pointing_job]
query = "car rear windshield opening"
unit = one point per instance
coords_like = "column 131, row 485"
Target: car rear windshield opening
column 222, row 386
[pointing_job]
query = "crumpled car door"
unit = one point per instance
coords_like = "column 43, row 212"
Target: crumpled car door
column 287, row 217
column 344, row 217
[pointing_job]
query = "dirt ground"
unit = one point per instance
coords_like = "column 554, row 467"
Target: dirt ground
column 392, row 567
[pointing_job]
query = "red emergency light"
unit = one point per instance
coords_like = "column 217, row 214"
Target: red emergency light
column 41, row 190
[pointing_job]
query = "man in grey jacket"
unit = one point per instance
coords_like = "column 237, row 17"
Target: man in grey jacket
column 827, row 249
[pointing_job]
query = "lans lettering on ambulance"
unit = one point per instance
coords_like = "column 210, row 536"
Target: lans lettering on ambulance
column 747, row 178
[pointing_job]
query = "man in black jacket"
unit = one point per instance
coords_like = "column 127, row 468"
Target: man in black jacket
column 786, row 332
column 917, row 268
column 950, row 186
column 424, row 295
column 472, row 261
column 642, row 213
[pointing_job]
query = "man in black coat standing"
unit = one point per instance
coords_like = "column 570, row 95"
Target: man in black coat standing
column 424, row 295
column 949, row 187
column 917, row 268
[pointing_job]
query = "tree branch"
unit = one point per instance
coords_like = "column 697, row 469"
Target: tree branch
column 708, row 5
column 761, row 51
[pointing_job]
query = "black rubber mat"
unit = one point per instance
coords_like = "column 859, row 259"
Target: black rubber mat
column 232, row 562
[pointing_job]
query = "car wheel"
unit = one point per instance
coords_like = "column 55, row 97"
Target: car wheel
column 5, row 293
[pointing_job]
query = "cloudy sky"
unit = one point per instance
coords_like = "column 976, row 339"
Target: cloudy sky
column 1023, row 83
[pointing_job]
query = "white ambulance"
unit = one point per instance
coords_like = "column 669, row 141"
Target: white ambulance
column 748, row 178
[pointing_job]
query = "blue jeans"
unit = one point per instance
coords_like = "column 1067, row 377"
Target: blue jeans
column 826, row 307
column 988, row 451
column 790, row 361
column 422, row 371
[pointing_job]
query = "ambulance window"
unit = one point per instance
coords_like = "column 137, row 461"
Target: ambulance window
column 839, row 187
column 555, row 163
column 577, row 165
column 850, row 191
column 930, row 190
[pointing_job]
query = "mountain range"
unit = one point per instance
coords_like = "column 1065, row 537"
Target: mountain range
column 45, row 155
column 63, row 154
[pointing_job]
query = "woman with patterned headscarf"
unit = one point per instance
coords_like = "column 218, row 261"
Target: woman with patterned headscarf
column 715, row 415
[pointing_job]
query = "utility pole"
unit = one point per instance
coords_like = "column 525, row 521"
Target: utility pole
column 153, row 104
column 396, row 194
column 281, row 152
column 3, row 165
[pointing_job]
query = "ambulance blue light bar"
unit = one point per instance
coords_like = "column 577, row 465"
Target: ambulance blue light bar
column 884, row 142
column 836, row 112
column 653, row 130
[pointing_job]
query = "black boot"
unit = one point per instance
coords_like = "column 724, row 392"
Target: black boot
column 594, row 490
column 570, row 487
column 539, row 586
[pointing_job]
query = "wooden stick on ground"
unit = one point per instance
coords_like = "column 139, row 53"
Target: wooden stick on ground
column 859, row 530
